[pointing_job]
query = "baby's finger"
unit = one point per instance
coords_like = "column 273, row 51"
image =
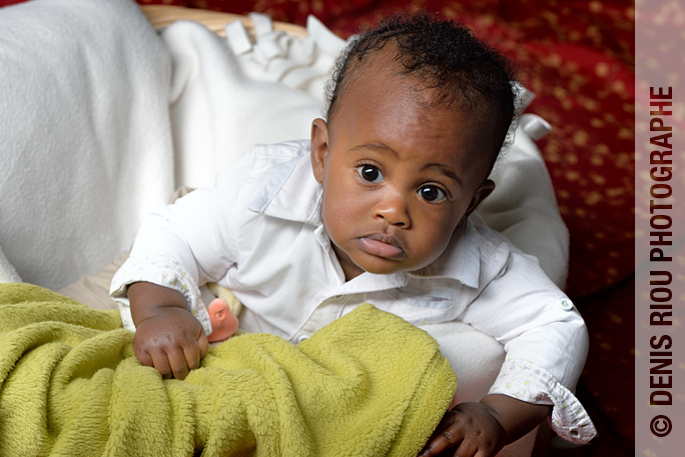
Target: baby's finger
column 467, row 448
column 177, row 362
column 143, row 357
column 484, row 453
column 161, row 363
column 203, row 344
column 450, row 437
column 191, row 352
column 487, row 449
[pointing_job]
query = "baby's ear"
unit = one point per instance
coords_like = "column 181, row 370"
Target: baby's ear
column 481, row 194
column 319, row 141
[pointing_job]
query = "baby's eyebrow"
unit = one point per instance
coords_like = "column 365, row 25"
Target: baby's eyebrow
column 375, row 147
column 445, row 170
column 384, row 148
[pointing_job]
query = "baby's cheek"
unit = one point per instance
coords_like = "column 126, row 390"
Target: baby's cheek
column 338, row 220
column 434, row 242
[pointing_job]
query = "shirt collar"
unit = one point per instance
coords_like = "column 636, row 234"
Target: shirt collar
column 293, row 194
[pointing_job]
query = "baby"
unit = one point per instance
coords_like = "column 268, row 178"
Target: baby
column 376, row 207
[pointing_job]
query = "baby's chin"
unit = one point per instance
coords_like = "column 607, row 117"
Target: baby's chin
column 384, row 266
column 355, row 262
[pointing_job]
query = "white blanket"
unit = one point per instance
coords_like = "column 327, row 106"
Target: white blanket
column 222, row 104
column 87, row 105
column 84, row 134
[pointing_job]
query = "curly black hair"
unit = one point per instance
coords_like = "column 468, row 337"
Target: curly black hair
column 442, row 54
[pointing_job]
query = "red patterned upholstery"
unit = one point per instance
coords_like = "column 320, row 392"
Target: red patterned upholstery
column 606, row 385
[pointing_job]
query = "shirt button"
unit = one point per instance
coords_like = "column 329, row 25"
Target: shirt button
column 303, row 337
column 566, row 305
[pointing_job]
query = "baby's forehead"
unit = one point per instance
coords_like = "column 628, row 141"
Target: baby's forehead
column 381, row 76
column 379, row 83
column 385, row 64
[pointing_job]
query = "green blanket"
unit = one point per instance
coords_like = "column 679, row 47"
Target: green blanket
column 369, row 384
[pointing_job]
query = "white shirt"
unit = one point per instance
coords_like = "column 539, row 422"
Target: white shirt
column 259, row 233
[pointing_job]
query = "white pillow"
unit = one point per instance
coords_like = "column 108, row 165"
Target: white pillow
column 84, row 133
column 222, row 103
column 7, row 271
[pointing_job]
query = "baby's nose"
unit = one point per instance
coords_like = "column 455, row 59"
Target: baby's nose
column 393, row 208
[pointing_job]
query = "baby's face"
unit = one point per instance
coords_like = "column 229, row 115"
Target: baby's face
column 398, row 177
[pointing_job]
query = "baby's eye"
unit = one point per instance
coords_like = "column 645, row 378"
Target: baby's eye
column 370, row 173
column 432, row 194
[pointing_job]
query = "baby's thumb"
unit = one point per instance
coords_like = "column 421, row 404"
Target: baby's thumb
column 202, row 343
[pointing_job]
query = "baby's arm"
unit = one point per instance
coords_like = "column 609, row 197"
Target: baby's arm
column 546, row 344
column 168, row 337
column 482, row 429
column 178, row 248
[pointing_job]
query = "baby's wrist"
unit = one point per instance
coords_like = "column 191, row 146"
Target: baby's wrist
column 163, row 311
column 151, row 300
column 500, row 420
column 516, row 417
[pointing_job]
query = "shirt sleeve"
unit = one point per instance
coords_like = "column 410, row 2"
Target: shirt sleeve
column 544, row 337
column 161, row 269
column 527, row 382
column 187, row 244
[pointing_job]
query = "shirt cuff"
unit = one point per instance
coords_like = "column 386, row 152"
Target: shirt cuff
column 163, row 270
column 525, row 381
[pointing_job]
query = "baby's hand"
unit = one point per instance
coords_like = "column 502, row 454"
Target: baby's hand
column 469, row 429
column 172, row 341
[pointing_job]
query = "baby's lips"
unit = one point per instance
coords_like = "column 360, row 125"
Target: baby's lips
column 380, row 248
